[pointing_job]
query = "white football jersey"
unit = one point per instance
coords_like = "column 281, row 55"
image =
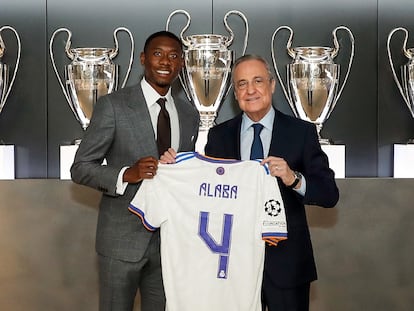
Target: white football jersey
column 215, row 216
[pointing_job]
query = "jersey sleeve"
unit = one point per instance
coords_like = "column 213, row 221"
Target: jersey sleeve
column 274, row 225
column 146, row 204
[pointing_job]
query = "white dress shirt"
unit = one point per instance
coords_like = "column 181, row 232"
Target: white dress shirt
column 151, row 96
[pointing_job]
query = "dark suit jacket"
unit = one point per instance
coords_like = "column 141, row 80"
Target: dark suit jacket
column 291, row 263
column 121, row 132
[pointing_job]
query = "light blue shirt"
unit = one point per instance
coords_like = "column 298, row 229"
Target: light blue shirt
column 247, row 132
column 246, row 139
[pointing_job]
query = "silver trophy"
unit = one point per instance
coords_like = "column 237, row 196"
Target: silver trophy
column 5, row 84
column 90, row 75
column 206, row 75
column 406, row 86
column 313, row 79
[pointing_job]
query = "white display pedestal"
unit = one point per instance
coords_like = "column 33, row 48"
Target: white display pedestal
column 7, row 162
column 67, row 155
column 336, row 156
column 403, row 160
column 201, row 141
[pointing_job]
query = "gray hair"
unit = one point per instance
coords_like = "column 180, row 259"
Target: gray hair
column 247, row 57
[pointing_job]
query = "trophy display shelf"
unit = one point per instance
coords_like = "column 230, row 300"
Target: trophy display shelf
column 201, row 141
column 7, row 162
column 403, row 160
column 67, row 155
column 336, row 157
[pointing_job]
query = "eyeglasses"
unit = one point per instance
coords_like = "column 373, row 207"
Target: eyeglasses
column 256, row 82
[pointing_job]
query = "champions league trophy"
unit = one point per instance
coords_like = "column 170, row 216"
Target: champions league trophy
column 406, row 86
column 7, row 151
column 404, row 153
column 205, row 77
column 313, row 86
column 90, row 75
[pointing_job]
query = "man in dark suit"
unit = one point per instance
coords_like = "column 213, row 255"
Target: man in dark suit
column 123, row 132
column 291, row 148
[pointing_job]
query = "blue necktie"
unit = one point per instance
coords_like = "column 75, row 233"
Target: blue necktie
column 257, row 146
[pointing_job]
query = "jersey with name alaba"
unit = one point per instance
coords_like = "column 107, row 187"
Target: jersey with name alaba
column 215, row 216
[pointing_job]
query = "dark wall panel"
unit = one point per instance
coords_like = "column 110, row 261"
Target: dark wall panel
column 369, row 117
column 23, row 119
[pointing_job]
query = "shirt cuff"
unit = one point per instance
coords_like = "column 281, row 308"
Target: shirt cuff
column 120, row 184
column 302, row 189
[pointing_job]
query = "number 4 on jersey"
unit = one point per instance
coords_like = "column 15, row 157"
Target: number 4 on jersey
column 222, row 249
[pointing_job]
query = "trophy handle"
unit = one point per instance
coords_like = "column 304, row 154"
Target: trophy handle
column 407, row 54
column 19, row 49
column 70, row 55
column 291, row 53
column 185, row 42
column 246, row 25
column 181, row 76
column 351, row 57
column 230, row 41
column 115, row 52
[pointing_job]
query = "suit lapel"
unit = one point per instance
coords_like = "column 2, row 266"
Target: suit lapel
column 283, row 132
column 275, row 142
column 184, row 122
column 140, row 120
column 186, row 117
column 234, row 132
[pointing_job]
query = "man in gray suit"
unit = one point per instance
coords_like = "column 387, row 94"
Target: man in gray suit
column 123, row 131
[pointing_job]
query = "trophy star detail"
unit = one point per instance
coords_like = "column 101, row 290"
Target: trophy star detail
column 312, row 86
column 205, row 77
column 90, row 75
column 405, row 83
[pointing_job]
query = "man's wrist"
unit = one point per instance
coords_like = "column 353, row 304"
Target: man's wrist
column 298, row 178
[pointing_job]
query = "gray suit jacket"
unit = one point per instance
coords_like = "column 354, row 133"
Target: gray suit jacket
column 121, row 132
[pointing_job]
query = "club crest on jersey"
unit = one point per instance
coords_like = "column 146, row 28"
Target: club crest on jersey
column 220, row 170
column 273, row 208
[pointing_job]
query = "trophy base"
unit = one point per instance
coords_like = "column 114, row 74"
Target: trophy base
column 322, row 141
column 336, row 157
column 403, row 160
column 67, row 155
column 325, row 141
column 77, row 141
column 207, row 119
column 7, row 162
column 201, row 141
